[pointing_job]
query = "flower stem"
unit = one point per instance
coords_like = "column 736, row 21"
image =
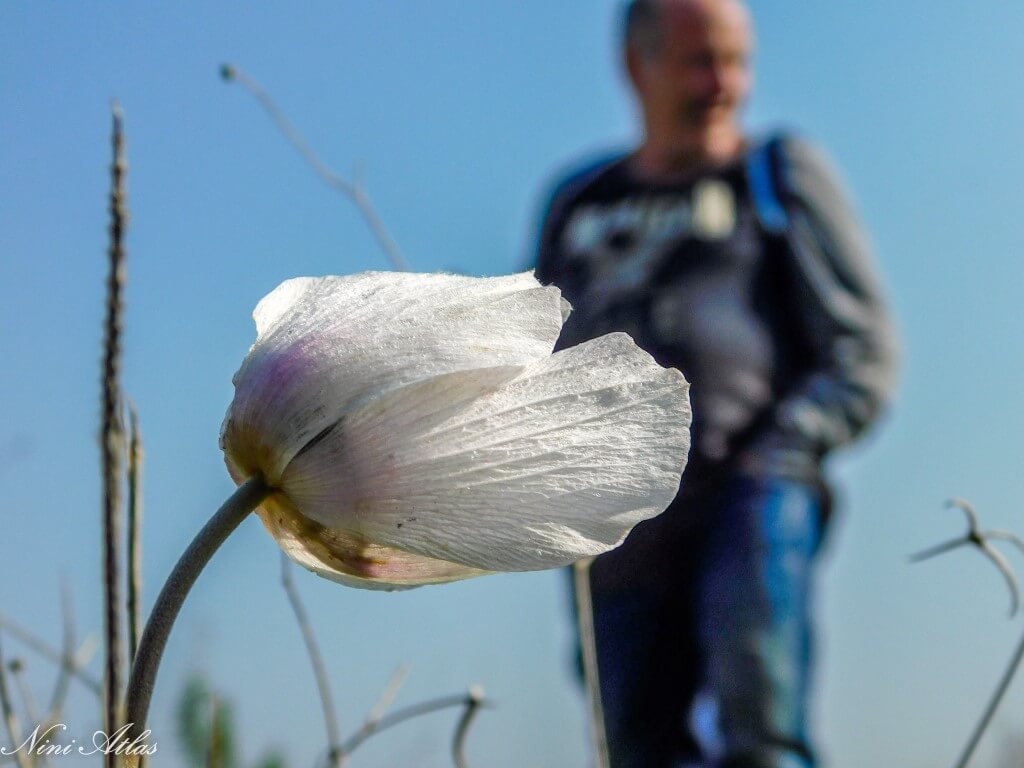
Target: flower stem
column 993, row 705
column 154, row 638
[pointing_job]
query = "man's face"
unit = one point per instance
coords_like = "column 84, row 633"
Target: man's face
column 698, row 78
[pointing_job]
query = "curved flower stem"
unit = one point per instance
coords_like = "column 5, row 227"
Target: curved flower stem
column 588, row 645
column 993, row 705
column 154, row 638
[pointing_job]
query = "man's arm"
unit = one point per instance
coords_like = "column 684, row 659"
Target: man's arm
column 841, row 306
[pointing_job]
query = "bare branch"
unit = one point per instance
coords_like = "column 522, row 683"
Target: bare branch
column 939, row 549
column 47, row 652
column 63, row 683
column 476, row 699
column 10, row 719
column 408, row 713
column 388, row 694
column 378, row 709
column 112, row 438
column 335, row 756
column 17, row 669
column 968, row 509
column 980, row 540
column 1004, row 568
column 353, row 190
column 1012, row 538
column 992, row 706
column 977, row 538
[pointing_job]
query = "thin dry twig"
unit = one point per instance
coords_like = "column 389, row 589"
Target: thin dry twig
column 408, row 713
column 28, row 701
column 353, row 190
column 377, row 711
column 388, row 694
column 63, row 684
column 134, row 533
column 992, row 706
column 588, row 645
column 10, row 719
column 17, row 669
column 979, row 539
column 319, row 671
column 73, row 665
column 1006, row 536
column 473, row 704
column 112, row 437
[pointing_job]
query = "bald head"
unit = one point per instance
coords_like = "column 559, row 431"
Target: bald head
column 645, row 20
column 688, row 62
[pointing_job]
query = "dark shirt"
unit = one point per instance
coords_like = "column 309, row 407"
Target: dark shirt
column 685, row 267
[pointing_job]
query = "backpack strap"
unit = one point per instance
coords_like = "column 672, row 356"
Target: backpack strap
column 762, row 174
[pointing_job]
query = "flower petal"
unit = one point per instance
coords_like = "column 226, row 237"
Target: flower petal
column 344, row 558
column 327, row 344
column 557, row 464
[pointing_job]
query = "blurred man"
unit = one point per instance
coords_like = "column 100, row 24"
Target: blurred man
column 739, row 262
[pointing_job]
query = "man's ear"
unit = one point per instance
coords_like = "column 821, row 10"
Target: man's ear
column 633, row 61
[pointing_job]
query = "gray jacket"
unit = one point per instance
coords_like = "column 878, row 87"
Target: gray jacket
column 799, row 199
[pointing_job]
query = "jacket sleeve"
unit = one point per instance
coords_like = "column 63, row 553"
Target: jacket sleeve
column 841, row 307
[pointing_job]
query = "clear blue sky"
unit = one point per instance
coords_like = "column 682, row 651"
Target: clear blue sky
column 458, row 112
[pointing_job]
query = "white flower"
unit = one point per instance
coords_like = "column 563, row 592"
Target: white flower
column 418, row 429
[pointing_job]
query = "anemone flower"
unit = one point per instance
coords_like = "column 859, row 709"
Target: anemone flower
column 394, row 429
column 418, row 429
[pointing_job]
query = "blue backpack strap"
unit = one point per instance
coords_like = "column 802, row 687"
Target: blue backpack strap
column 762, row 175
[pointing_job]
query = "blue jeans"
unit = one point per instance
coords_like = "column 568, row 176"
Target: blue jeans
column 703, row 629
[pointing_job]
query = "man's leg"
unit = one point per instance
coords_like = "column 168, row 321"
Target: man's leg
column 754, row 620
column 644, row 597
column 649, row 672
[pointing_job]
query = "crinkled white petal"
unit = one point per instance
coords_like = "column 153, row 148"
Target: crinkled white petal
column 326, row 344
column 553, row 465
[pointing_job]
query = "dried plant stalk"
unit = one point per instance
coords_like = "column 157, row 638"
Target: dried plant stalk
column 10, row 719
column 134, row 534
column 353, row 190
column 588, row 645
column 71, row 663
column 112, row 437
column 408, row 713
column 67, row 667
column 993, row 705
column 473, row 704
column 334, row 754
